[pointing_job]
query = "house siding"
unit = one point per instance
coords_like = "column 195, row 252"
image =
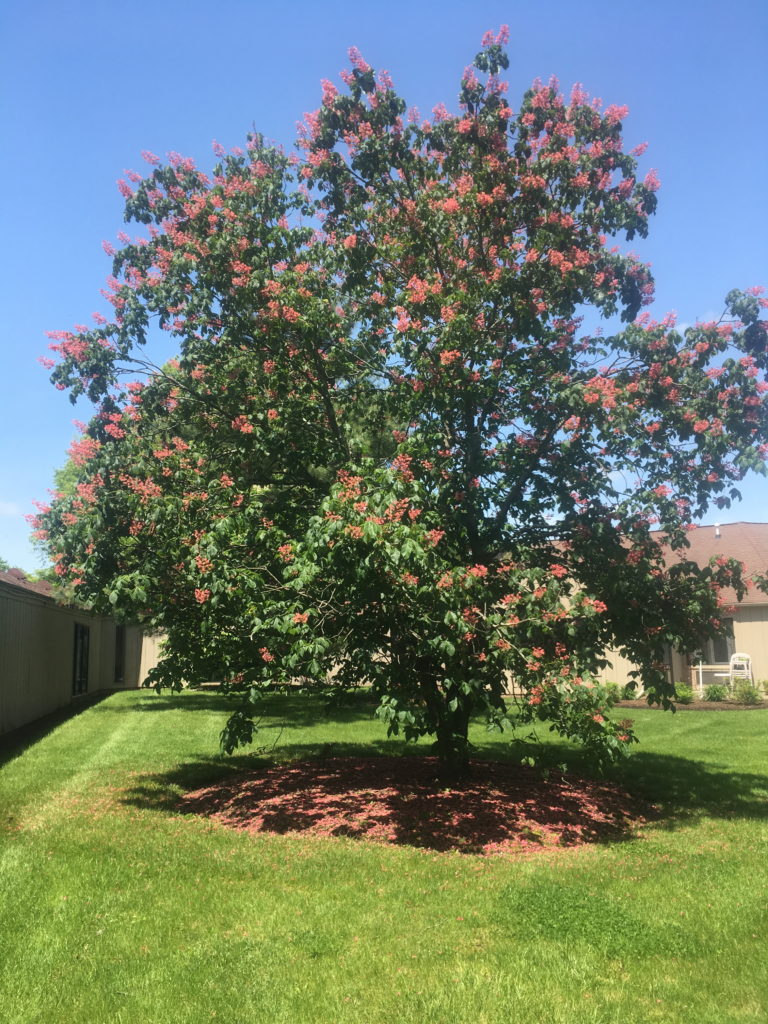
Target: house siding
column 747, row 543
column 750, row 629
column 148, row 654
column 750, row 634
column 37, row 655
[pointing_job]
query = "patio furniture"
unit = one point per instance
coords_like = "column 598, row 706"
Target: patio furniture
column 741, row 667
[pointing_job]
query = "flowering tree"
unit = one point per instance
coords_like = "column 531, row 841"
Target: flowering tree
column 387, row 453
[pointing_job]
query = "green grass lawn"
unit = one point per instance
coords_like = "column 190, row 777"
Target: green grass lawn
column 116, row 908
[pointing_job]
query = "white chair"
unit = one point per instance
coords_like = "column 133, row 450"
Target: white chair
column 741, row 667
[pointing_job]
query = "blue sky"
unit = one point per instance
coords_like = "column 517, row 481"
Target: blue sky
column 87, row 85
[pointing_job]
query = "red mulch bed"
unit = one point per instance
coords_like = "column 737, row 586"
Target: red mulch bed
column 696, row 705
column 503, row 809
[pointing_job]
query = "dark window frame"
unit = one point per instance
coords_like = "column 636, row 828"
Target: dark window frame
column 718, row 650
column 80, row 659
column 119, row 654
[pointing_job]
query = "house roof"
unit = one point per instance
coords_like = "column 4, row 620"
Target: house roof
column 747, row 542
column 18, row 578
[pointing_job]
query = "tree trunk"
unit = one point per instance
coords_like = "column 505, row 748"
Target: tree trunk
column 451, row 726
column 453, row 745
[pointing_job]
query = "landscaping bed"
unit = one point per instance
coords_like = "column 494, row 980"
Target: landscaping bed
column 696, row 705
column 502, row 809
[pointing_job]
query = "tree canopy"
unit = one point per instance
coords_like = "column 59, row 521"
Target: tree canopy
column 388, row 451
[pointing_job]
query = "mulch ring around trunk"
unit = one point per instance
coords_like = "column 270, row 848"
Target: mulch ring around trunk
column 502, row 809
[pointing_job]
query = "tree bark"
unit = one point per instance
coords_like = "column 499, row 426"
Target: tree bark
column 451, row 726
column 453, row 745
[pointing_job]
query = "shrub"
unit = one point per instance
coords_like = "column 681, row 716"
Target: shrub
column 612, row 693
column 745, row 692
column 630, row 691
column 683, row 693
column 716, row 692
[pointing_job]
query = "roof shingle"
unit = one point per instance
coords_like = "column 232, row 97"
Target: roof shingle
column 747, row 542
column 18, row 578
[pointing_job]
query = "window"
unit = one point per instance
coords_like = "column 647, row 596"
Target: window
column 719, row 650
column 120, row 654
column 80, row 663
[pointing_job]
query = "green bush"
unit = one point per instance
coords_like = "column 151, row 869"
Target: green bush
column 683, row 693
column 716, row 692
column 745, row 692
column 612, row 693
column 629, row 692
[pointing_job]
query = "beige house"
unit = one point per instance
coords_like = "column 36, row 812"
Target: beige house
column 52, row 654
column 747, row 619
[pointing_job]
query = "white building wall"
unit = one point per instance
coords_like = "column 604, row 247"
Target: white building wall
column 750, row 635
column 37, row 638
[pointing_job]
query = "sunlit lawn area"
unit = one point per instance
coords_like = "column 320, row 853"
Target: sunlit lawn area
column 115, row 907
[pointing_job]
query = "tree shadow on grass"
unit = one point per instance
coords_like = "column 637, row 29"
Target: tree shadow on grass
column 381, row 792
column 164, row 791
column 284, row 710
column 149, row 702
column 679, row 788
column 15, row 743
column 386, row 790
column 684, row 789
